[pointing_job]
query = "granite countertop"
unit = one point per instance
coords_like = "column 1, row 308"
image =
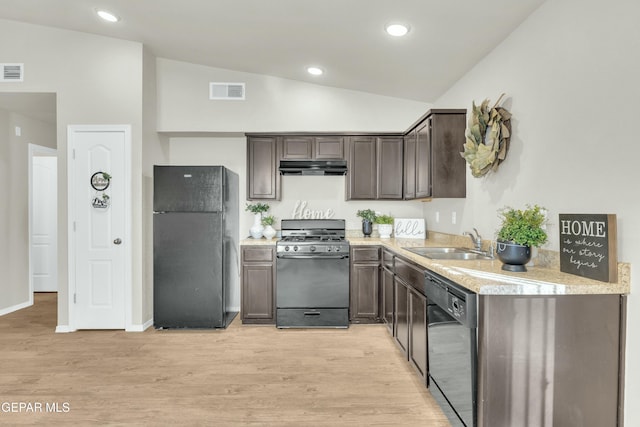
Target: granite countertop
column 486, row 277
column 250, row 241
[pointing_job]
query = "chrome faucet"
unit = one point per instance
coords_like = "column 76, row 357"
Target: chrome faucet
column 477, row 239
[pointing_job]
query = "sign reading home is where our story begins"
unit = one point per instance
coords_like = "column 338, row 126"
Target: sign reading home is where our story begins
column 588, row 246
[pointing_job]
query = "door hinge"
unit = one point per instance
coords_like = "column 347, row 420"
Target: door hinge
column 73, row 154
column 74, row 298
column 74, row 226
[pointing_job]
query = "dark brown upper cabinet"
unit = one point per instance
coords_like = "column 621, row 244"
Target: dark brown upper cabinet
column 374, row 167
column 263, row 178
column 423, row 159
column 422, row 163
column 410, row 164
column 311, row 147
column 433, row 166
column 362, row 174
column 390, row 159
column 297, row 147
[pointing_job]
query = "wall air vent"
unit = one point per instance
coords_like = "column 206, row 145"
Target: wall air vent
column 226, row 91
column 12, row 72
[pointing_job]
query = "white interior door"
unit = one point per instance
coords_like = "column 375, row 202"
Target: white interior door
column 99, row 231
column 44, row 223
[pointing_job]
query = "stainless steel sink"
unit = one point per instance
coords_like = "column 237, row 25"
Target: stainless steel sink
column 448, row 253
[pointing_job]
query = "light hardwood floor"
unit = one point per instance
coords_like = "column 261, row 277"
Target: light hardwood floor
column 245, row 375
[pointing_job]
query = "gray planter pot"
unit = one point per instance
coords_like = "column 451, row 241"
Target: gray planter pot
column 367, row 227
column 513, row 255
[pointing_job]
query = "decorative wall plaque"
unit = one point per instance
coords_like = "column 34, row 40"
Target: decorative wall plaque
column 100, row 181
column 409, row 228
column 101, row 201
column 588, row 246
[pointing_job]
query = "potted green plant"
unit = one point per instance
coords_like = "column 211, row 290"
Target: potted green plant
column 368, row 216
column 520, row 230
column 268, row 231
column 385, row 225
column 257, row 209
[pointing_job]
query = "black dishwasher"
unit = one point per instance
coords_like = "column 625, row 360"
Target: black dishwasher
column 452, row 342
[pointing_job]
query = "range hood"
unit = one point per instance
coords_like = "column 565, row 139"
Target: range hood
column 313, row 167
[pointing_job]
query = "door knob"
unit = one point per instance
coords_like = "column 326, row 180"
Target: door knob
column 117, row 241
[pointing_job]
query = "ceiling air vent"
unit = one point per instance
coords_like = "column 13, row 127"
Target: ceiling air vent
column 12, row 72
column 226, row 91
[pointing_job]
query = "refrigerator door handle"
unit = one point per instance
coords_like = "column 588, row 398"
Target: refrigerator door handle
column 117, row 241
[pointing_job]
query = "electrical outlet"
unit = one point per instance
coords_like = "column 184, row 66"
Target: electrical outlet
column 437, row 217
column 18, row 131
column 453, row 217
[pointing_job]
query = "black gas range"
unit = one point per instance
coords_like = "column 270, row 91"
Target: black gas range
column 312, row 285
column 312, row 237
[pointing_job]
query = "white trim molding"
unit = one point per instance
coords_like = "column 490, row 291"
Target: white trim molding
column 17, row 306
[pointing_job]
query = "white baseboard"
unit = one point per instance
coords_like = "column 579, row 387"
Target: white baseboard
column 15, row 307
column 140, row 328
column 63, row 329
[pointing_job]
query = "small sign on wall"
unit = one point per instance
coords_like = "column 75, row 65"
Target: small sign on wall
column 409, row 228
column 588, row 246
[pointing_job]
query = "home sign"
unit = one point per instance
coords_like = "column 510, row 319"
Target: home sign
column 588, row 244
column 411, row 228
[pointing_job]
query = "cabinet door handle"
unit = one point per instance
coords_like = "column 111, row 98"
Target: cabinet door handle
column 312, row 313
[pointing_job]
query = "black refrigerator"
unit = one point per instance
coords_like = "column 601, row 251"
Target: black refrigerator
column 195, row 246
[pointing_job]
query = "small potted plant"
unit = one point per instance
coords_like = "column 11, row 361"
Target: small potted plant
column 368, row 217
column 268, row 231
column 385, row 225
column 257, row 209
column 519, row 232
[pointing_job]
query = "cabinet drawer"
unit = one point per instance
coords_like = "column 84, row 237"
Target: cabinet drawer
column 257, row 254
column 411, row 274
column 365, row 254
column 312, row 318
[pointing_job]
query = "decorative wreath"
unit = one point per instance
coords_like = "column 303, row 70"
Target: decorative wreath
column 488, row 137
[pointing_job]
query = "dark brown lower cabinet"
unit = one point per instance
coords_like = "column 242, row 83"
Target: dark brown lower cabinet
column 258, row 285
column 387, row 298
column 554, row 360
column 365, row 284
column 418, row 332
column 411, row 314
column 402, row 314
column 386, row 289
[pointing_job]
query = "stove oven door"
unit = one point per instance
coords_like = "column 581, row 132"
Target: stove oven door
column 312, row 291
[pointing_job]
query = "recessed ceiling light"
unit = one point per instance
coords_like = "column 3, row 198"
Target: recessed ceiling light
column 107, row 16
column 316, row 71
column 397, row 30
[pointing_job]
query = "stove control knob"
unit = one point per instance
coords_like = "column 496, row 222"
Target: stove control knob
column 286, row 248
column 337, row 249
column 312, row 248
column 328, row 248
column 295, row 248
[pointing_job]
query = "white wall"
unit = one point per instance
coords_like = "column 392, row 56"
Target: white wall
column 14, row 192
column 97, row 80
column 155, row 150
column 272, row 104
column 571, row 75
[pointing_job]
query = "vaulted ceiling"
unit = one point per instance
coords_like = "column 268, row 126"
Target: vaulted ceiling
column 282, row 37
